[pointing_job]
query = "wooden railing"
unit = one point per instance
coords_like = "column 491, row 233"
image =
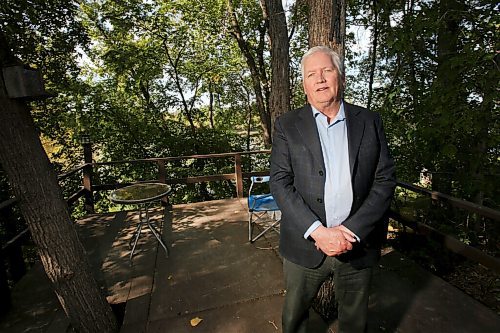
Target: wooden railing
column 88, row 188
column 238, row 175
column 450, row 242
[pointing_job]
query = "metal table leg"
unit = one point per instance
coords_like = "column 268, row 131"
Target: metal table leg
column 144, row 219
column 154, row 230
column 137, row 233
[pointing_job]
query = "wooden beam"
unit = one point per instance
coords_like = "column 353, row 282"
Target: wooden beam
column 75, row 196
column 239, row 177
column 449, row 242
column 467, row 205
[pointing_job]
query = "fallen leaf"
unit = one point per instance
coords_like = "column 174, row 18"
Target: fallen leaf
column 195, row 321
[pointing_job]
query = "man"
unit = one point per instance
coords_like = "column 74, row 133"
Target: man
column 333, row 179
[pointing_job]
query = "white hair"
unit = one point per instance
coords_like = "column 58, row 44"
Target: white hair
column 336, row 59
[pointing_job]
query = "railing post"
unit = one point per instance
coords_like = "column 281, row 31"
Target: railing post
column 87, row 174
column 162, row 178
column 162, row 173
column 239, row 175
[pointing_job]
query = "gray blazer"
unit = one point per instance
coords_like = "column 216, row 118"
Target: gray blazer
column 298, row 181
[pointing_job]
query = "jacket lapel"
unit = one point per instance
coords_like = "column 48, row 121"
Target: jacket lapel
column 306, row 125
column 355, row 129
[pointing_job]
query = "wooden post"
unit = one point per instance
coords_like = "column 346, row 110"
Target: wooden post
column 162, row 178
column 87, row 174
column 239, row 175
column 162, row 174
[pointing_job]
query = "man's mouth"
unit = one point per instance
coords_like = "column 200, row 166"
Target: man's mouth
column 322, row 89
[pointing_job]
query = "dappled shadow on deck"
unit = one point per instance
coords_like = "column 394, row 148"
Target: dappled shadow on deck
column 215, row 274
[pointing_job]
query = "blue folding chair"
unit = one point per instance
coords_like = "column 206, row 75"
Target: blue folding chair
column 262, row 209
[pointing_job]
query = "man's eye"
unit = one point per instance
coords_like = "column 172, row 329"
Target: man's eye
column 310, row 75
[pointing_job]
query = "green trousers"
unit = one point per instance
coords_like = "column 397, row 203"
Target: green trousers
column 351, row 294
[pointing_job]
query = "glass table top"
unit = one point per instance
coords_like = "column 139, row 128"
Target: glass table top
column 140, row 193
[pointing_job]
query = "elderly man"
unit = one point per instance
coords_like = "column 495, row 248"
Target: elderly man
column 333, row 178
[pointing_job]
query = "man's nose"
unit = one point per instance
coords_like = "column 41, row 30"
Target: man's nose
column 321, row 77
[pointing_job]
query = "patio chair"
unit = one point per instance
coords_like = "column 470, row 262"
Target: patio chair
column 262, row 208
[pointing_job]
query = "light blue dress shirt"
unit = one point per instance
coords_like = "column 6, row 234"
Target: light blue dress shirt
column 338, row 188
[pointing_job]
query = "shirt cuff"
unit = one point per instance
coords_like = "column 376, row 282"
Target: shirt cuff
column 313, row 227
column 355, row 236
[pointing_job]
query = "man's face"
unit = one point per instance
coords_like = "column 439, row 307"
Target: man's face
column 322, row 82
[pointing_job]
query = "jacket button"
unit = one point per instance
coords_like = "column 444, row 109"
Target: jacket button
column 321, row 173
column 319, row 200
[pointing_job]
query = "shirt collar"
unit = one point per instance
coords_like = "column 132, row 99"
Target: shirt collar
column 339, row 117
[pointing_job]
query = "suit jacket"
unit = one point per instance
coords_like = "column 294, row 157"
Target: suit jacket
column 298, row 182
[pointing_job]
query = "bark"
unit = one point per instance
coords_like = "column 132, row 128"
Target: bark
column 211, row 105
column 324, row 303
column 279, row 100
column 326, row 19
column 41, row 203
column 409, row 17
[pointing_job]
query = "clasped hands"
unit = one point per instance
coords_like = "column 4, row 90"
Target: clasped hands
column 333, row 241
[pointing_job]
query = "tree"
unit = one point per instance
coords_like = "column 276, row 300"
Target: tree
column 254, row 56
column 279, row 99
column 34, row 183
column 326, row 24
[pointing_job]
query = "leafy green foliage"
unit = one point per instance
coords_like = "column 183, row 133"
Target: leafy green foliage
column 156, row 78
column 435, row 68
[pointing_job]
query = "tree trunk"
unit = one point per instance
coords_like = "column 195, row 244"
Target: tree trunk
column 324, row 303
column 35, row 184
column 326, row 19
column 279, row 100
column 211, row 104
column 374, row 53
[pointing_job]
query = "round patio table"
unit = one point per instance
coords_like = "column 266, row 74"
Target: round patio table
column 143, row 195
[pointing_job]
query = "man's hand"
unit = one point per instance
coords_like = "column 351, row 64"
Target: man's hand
column 333, row 241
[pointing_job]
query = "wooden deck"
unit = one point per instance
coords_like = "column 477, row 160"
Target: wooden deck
column 215, row 274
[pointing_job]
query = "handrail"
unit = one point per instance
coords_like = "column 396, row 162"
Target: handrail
column 451, row 243
column 461, row 203
column 81, row 192
column 71, row 172
column 14, row 239
column 183, row 157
